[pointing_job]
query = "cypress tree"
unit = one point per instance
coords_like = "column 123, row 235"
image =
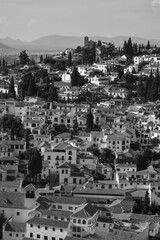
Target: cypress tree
column 149, row 85
column 141, row 88
column 154, row 95
column 146, row 87
column 146, row 204
column 12, row 133
column 129, row 49
column 69, row 59
column 11, row 90
column 31, row 87
column 75, row 127
column 27, row 138
column 53, row 93
column 148, row 45
column 3, row 63
column 41, row 58
column 89, row 122
column 153, row 91
column 125, row 47
column 99, row 44
column 75, row 77
column 158, row 81
column 35, row 163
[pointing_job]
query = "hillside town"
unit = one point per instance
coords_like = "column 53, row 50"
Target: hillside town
column 80, row 143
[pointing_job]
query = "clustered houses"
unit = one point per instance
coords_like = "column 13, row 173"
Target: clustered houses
column 80, row 205
column 85, row 197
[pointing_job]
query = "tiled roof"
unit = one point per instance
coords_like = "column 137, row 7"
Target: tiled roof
column 77, row 174
column 15, row 227
column 56, row 213
column 66, row 200
column 121, row 235
column 9, row 159
column 84, row 134
column 97, row 134
column 121, row 206
column 48, row 222
column 14, row 142
column 12, row 200
column 104, row 192
column 30, row 187
column 105, row 219
column 11, row 184
column 61, row 146
column 85, row 211
column 65, row 165
column 88, row 237
column 44, row 202
column 117, row 137
column 63, row 135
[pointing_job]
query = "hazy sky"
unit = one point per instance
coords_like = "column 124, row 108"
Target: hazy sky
column 30, row 19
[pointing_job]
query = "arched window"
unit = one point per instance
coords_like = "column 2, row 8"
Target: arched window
column 70, row 153
column 69, row 158
column 84, row 221
column 79, row 220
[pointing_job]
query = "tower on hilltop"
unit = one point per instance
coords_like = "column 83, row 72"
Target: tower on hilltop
column 86, row 41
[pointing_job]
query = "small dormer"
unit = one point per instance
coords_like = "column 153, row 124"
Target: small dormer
column 30, row 191
column 5, row 200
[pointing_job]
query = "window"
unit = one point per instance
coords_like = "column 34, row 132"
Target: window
column 18, row 213
column 61, row 230
column 10, row 234
column 53, row 229
column 59, row 207
column 16, row 234
column 74, row 220
column 104, row 225
column 38, row 235
column 53, row 238
column 74, row 180
column 79, row 221
column 38, row 226
column 60, row 238
column 31, row 234
column 70, row 153
column 31, row 225
column 70, row 208
column 46, row 228
column 45, row 238
column 84, row 221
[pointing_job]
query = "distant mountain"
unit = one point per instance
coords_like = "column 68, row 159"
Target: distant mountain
column 4, row 46
column 10, row 42
column 119, row 40
column 62, row 42
column 59, row 43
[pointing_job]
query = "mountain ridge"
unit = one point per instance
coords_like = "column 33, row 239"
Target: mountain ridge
column 61, row 42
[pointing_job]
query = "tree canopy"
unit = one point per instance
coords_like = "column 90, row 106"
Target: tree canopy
column 24, row 58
